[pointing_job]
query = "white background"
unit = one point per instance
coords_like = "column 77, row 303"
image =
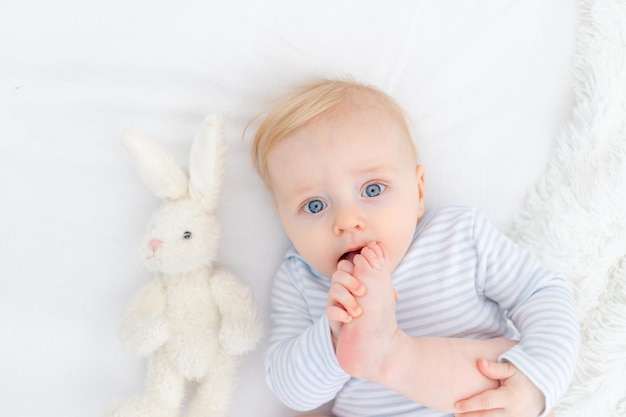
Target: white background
column 486, row 84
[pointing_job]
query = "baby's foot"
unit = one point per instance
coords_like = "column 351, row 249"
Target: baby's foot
column 365, row 344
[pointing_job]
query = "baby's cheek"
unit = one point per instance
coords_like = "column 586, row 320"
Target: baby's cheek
column 391, row 264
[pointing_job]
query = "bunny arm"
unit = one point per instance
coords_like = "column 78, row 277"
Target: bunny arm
column 144, row 326
column 240, row 328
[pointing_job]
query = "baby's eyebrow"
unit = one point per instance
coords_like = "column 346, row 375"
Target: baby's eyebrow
column 299, row 193
column 375, row 168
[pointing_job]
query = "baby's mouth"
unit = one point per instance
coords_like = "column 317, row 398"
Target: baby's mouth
column 349, row 256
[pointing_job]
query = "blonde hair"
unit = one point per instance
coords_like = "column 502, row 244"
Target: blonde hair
column 310, row 101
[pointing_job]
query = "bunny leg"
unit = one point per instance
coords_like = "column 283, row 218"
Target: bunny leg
column 165, row 390
column 215, row 391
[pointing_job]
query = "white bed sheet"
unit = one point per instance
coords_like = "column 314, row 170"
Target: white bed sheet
column 486, row 84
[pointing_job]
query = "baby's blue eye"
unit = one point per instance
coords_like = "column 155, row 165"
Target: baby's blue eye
column 373, row 190
column 314, row 206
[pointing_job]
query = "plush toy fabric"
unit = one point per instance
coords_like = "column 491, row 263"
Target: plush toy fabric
column 193, row 322
column 575, row 216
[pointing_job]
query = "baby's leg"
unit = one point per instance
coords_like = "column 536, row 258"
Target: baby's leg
column 365, row 344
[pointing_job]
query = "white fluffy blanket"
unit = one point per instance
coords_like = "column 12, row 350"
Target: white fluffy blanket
column 575, row 218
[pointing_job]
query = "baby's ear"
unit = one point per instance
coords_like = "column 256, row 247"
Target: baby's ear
column 419, row 172
column 206, row 162
column 156, row 167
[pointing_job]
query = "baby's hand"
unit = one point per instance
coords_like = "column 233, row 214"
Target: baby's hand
column 342, row 306
column 517, row 396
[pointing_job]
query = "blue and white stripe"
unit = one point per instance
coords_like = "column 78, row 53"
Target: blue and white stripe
column 460, row 278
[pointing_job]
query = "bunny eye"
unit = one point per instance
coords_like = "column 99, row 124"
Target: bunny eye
column 187, row 235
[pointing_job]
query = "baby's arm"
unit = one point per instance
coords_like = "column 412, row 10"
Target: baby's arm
column 540, row 305
column 538, row 369
column 534, row 374
column 300, row 364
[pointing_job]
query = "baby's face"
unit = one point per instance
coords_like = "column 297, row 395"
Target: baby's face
column 342, row 182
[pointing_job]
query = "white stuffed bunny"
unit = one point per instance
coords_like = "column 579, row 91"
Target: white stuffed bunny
column 193, row 322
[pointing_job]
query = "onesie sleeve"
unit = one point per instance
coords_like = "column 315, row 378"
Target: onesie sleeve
column 300, row 365
column 538, row 302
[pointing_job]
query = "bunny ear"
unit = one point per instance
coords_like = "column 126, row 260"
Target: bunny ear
column 206, row 162
column 156, row 167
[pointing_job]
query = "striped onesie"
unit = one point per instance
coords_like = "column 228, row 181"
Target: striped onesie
column 459, row 278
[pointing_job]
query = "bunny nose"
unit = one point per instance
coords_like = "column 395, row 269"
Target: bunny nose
column 155, row 244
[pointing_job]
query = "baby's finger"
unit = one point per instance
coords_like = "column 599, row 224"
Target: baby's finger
column 499, row 412
column 496, row 370
column 340, row 297
column 496, row 399
column 347, row 280
column 345, row 266
column 337, row 317
column 337, row 314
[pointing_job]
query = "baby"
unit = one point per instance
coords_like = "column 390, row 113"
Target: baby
column 384, row 307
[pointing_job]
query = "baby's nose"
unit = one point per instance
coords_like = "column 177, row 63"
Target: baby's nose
column 348, row 219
